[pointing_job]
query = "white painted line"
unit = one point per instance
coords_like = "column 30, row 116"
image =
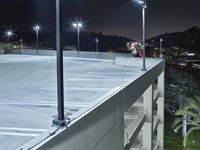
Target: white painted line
column 90, row 59
column 100, row 80
column 23, row 129
column 113, row 73
column 40, row 104
column 19, row 134
column 53, row 89
column 89, row 89
column 46, row 102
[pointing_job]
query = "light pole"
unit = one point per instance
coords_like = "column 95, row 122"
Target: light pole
column 161, row 40
column 144, row 6
column 97, row 45
column 36, row 28
column 9, row 35
column 60, row 120
column 78, row 26
column 21, row 45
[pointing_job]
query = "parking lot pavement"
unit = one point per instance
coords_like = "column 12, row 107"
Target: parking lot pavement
column 28, row 97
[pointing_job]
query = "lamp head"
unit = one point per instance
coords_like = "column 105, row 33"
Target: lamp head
column 36, row 28
column 9, row 33
column 142, row 3
column 78, row 25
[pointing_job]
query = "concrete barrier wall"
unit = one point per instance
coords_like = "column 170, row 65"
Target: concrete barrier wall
column 83, row 54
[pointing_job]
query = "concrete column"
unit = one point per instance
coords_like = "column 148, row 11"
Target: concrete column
column 148, row 125
column 161, row 101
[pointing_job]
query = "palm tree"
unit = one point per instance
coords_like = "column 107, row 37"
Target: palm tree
column 191, row 109
column 179, row 87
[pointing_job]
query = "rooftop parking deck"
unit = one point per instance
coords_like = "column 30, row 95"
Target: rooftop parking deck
column 28, row 98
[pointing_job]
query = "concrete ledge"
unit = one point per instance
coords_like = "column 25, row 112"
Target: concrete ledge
column 82, row 54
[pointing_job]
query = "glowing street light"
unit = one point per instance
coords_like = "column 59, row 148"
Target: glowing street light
column 37, row 28
column 144, row 6
column 9, row 34
column 161, row 40
column 78, row 26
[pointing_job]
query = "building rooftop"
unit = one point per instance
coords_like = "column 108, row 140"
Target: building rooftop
column 28, row 97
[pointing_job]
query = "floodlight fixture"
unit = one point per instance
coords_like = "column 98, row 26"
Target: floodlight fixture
column 37, row 28
column 78, row 26
column 9, row 33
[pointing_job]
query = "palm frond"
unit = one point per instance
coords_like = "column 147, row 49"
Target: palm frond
column 192, row 104
column 178, row 127
column 176, row 122
column 188, row 133
column 183, row 112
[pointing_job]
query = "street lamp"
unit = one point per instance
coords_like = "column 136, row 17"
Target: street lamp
column 36, row 28
column 161, row 40
column 21, row 43
column 144, row 6
column 97, row 45
column 60, row 120
column 9, row 35
column 78, row 26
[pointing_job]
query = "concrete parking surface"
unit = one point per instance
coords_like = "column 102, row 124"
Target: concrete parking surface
column 28, row 96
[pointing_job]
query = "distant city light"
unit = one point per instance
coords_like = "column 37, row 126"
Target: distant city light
column 191, row 54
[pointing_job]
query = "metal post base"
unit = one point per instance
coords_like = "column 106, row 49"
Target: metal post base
column 60, row 123
column 144, row 69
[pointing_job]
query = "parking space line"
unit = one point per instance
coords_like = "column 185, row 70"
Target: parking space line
column 23, row 129
column 85, row 89
column 42, row 103
column 98, row 80
column 19, row 134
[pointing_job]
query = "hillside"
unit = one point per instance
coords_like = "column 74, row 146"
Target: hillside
column 87, row 40
column 187, row 40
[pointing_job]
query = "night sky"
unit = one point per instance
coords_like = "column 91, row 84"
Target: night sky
column 115, row 17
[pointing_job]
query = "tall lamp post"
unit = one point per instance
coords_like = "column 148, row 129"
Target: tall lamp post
column 97, row 45
column 144, row 6
column 78, row 26
column 60, row 120
column 36, row 28
column 161, row 40
column 9, row 35
column 21, row 45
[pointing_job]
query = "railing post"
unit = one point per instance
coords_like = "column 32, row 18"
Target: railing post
column 148, row 125
column 160, row 129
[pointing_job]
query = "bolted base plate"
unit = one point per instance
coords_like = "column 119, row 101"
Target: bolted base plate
column 144, row 69
column 57, row 122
